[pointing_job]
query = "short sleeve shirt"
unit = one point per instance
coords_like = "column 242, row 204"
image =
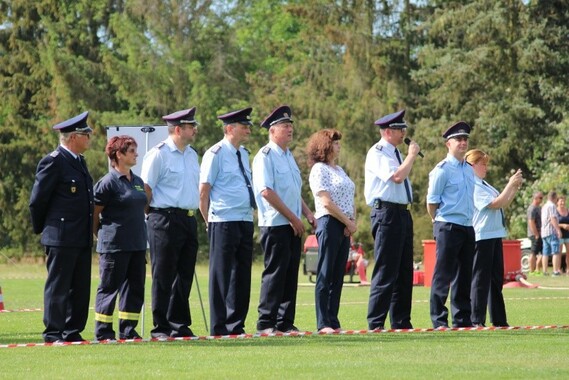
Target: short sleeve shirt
column 336, row 182
column 548, row 212
column 122, row 223
column 380, row 165
column 488, row 223
column 276, row 169
column 534, row 213
column 229, row 196
column 451, row 186
column 172, row 175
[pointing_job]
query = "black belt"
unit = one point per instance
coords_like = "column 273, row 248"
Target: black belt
column 174, row 210
column 378, row 203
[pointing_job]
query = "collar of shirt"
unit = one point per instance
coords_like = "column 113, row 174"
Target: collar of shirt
column 229, row 146
column 386, row 144
column 172, row 146
column 277, row 148
column 116, row 173
column 453, row 161
column 70, row 152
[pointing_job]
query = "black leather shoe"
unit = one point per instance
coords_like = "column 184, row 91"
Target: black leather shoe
column 132, row 335
column 74, row 338
column 53, row 340
column 105, row 337
column 183, row 333
column 288, row 329
column 159, row 335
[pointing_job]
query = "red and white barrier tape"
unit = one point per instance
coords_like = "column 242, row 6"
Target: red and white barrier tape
column 293, row 334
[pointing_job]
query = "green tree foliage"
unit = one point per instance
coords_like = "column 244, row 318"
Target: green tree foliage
column 500, row 65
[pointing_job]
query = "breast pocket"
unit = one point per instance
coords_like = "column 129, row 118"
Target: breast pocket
column 72, row 186
column 174, row 174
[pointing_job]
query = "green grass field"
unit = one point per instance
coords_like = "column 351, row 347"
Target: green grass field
column 535, row 354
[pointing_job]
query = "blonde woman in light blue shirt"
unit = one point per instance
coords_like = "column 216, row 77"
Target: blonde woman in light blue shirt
column 490, row 228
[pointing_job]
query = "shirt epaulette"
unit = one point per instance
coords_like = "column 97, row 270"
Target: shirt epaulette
column 195, row 150
column 160, row 145
column 441, row 164
column 216, row 149
column 266, row 150
column 379, row 147
column 54, row 154
column 246, row 150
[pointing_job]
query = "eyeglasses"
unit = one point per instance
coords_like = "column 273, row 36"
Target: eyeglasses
column 83, row 134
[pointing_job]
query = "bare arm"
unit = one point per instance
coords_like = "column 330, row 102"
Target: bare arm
column 335, row 211
column 276, row 201
column 205, row 189
column 507, row 195
column 308, row 214
column 148, row 192
column 96, row 221
column 432, row 210
column 405, row 168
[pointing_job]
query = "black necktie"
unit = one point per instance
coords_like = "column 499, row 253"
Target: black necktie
column 501, row 211
column 82, row 164
column 406, row 182
column 251, row 196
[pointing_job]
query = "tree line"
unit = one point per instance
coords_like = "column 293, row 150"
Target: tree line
column 500, row 65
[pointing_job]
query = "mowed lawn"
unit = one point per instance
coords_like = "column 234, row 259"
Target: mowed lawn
column 535, row 354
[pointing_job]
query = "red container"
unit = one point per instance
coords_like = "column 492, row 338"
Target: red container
column 512, row 258
column 418, row 277
column 429, row 259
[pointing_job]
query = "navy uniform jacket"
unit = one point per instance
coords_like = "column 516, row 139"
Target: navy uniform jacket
column 61, row 203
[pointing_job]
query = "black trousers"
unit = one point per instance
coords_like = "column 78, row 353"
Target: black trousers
column 230, row 260
column 487, row 282
column 392, row 281
column 121, row 273
column 173, row 249
column 277, row 302
column 453, row 269
column 333, row 249
column 67, row 292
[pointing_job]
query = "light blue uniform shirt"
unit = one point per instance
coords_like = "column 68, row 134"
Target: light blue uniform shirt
column 451, row 186
column 172, row 175
column 229, row 197
column 276, row 169
column 381, row 163
column 488, row 223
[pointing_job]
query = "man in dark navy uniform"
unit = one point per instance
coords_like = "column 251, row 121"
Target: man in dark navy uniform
column 450, row 204
column 61, row 207
column 388, row 191
column 170, row 172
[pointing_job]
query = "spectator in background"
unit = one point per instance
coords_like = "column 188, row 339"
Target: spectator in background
column 534, row 233
column 489, row 227
column 361, row 263
column 550, row 234
column 120, row 201
column 564, row 225
column 335, row 210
